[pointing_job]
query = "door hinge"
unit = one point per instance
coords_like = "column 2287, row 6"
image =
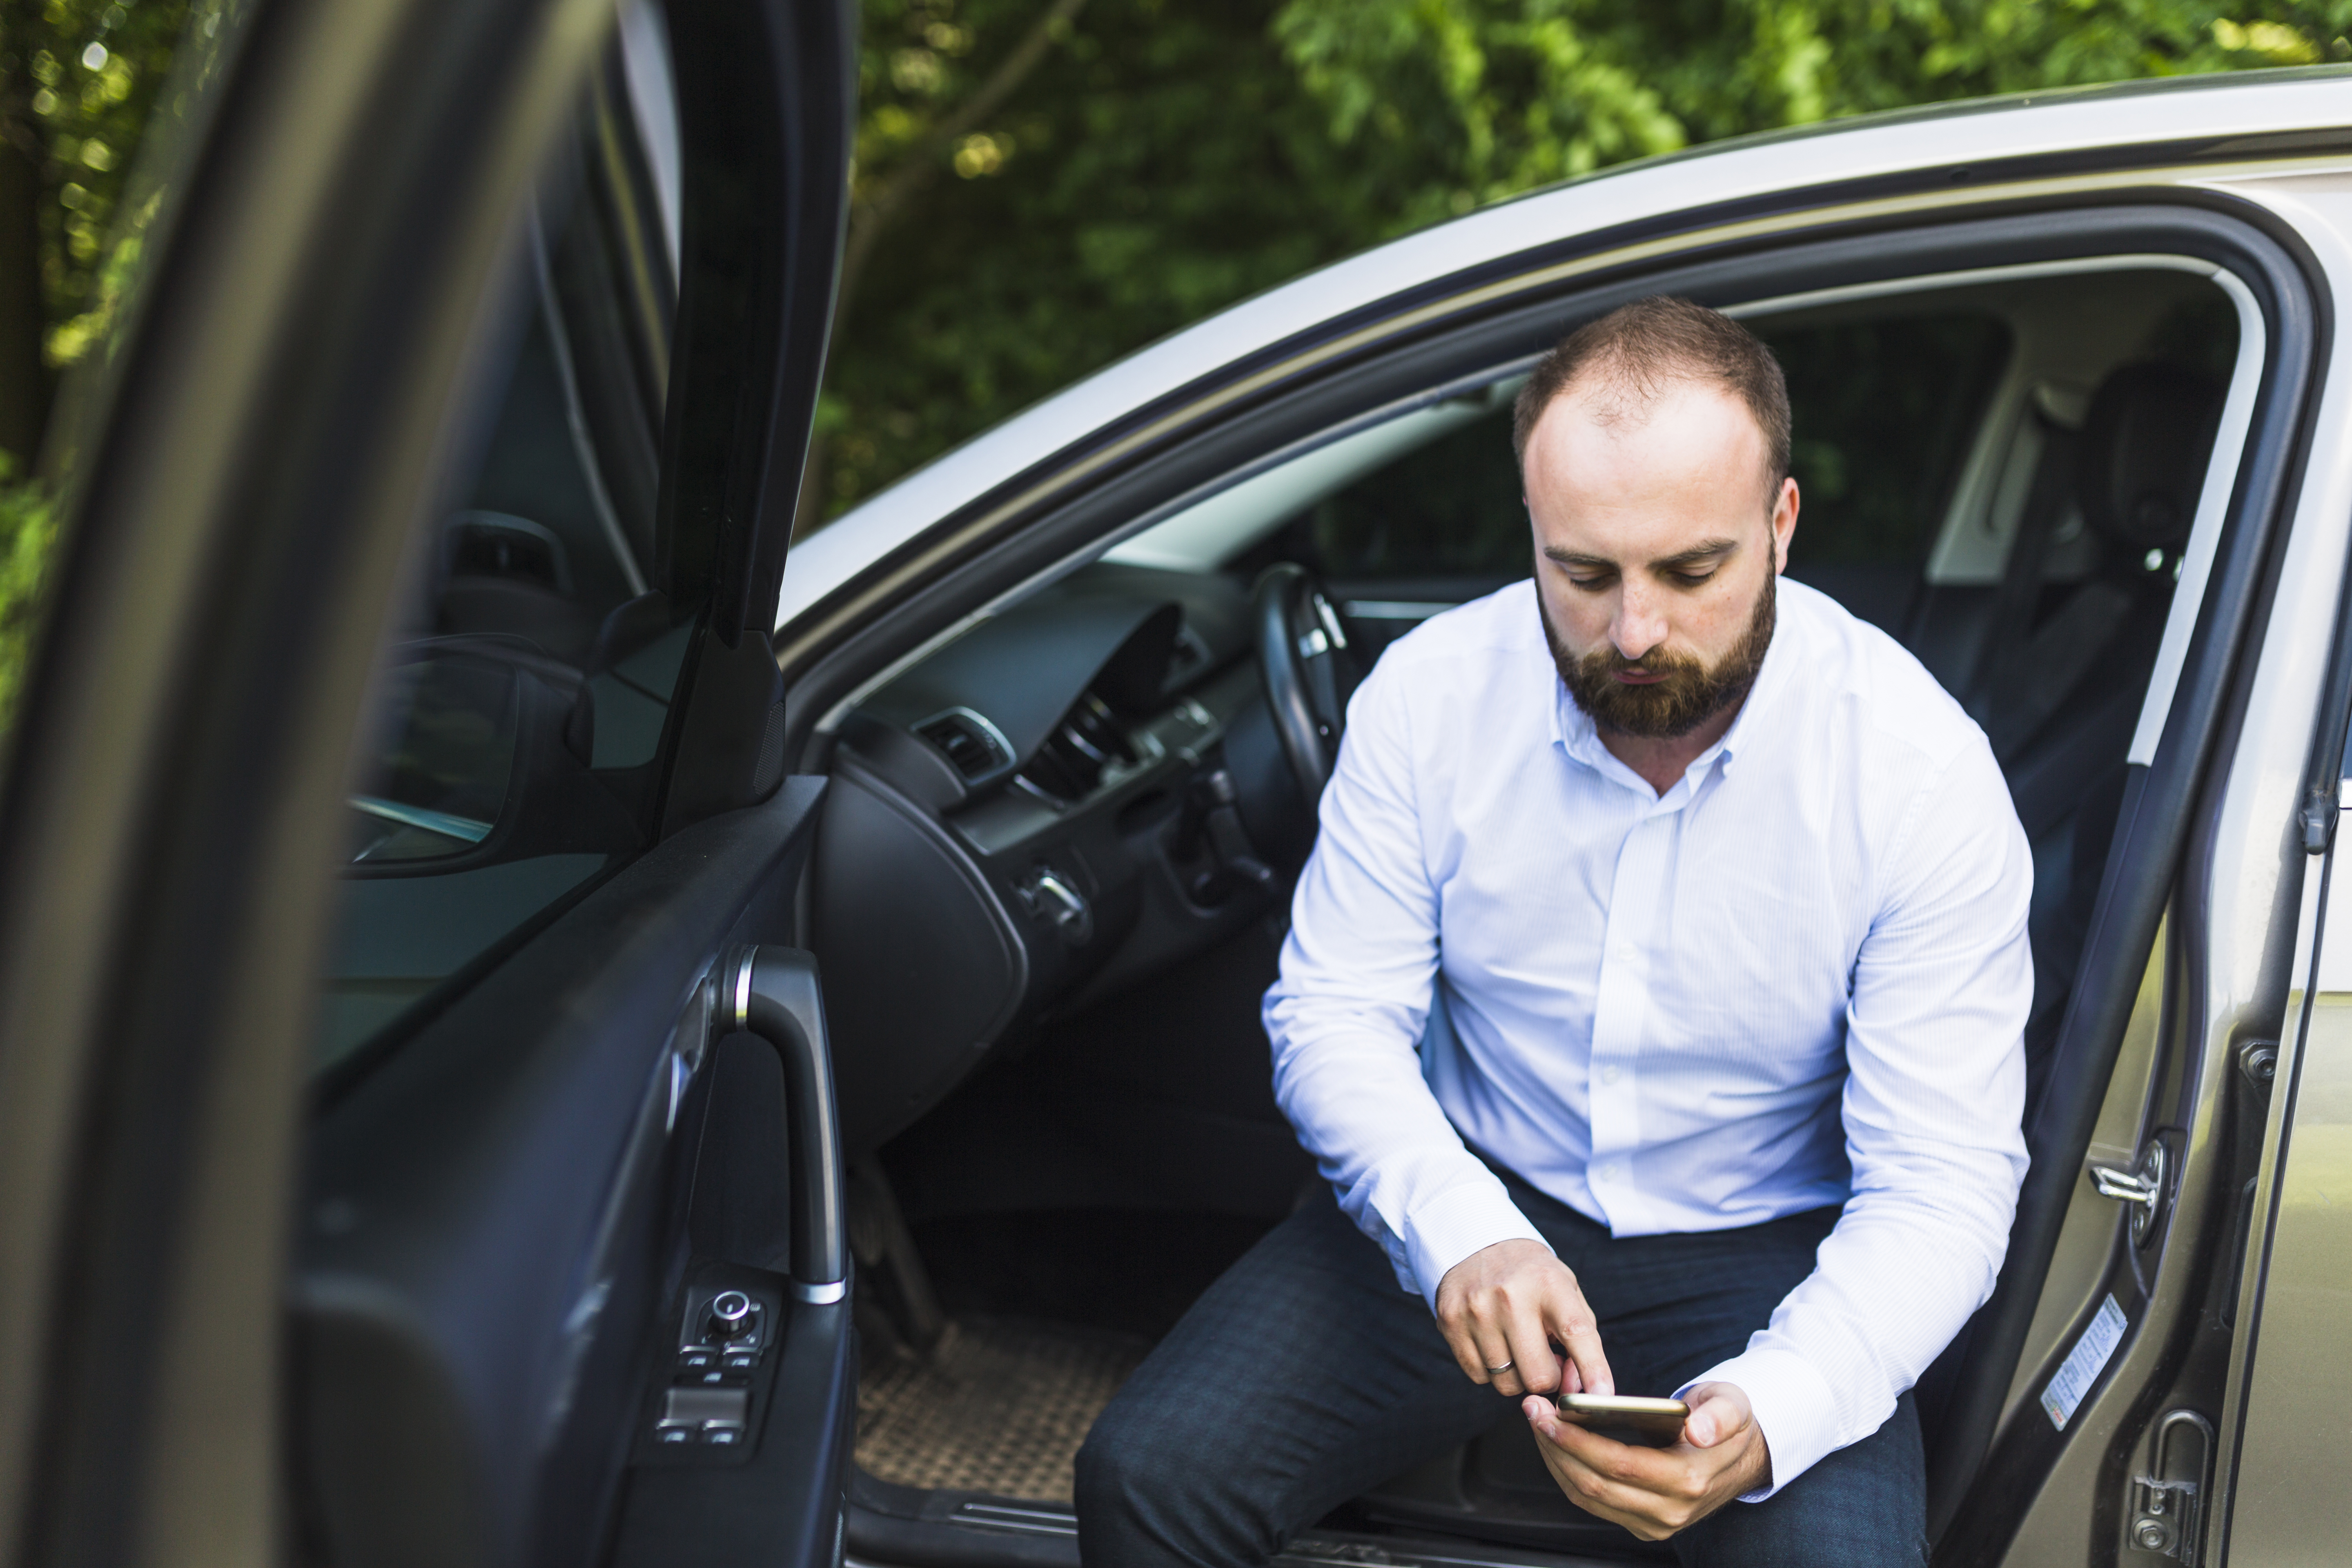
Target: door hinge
column 2143, row 1187
column 2167, row 1505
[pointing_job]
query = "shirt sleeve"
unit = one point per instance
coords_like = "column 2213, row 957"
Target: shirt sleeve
column 1933, row 1102
column 1347, row 1016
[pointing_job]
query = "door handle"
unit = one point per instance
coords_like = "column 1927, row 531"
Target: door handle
column 772, row 992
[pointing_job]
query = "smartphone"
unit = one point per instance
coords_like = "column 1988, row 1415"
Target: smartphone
column 1644, row 1423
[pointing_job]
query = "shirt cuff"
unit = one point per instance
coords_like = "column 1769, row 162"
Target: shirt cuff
column 1794, row 1407
column 1458, row 1222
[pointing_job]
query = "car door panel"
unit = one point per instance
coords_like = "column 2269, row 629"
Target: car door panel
column 2289, row 1506
column 483, row 1250
column 2289, row 1267
column 254, row 458
column 511, row 1202
column 484, row 1267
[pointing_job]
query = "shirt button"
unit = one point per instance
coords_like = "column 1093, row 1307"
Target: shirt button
column 1609, row 1075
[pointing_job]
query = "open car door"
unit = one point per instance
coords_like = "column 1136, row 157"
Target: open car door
column 419, row 535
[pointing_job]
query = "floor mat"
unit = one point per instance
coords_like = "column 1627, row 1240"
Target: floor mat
column 1000, row 1406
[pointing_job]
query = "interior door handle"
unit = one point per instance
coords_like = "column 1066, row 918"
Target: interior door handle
column 772, row 992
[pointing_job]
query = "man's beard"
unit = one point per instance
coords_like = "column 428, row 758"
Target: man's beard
column 1690, row 694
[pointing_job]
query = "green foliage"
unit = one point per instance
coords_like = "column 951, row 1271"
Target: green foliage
column 1159, row 162
column 77, row 80
column 1167, row 157
column 28, row 527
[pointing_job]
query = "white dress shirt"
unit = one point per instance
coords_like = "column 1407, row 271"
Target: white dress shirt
column 1798, row 978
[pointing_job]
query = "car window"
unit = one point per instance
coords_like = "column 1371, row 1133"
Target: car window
column 519, row 715
column 1882, row 414
column 1882, row 411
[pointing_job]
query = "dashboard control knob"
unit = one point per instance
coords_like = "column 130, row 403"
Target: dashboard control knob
column 732, row 1315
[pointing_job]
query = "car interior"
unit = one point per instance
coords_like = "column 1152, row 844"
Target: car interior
column 1047, row 888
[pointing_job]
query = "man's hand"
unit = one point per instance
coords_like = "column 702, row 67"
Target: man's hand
column 1654, row 1492
column 1511, row 1303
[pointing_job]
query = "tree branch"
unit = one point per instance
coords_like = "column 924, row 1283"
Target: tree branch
column 897, row 191
column 920, row 167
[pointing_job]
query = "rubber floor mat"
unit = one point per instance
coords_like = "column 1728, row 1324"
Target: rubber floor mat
column 1000, row 1406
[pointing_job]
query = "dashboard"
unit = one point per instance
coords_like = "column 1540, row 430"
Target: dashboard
column 1074, row 795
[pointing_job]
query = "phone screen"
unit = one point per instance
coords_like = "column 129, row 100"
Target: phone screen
column 1644, row 1423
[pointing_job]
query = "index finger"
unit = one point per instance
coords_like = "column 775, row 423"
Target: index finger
column 1570, row 1322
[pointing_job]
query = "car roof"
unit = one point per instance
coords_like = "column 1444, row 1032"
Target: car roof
column 2102, row 123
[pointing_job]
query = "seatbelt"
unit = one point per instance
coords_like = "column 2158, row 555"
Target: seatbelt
column 2001, row 660
column 2054, row 660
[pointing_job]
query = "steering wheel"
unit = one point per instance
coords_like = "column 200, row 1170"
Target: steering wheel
column 1307, row 669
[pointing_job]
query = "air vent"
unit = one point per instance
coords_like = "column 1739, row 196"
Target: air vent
column 1071, row 761
column 1188, row 659
column 975, row 746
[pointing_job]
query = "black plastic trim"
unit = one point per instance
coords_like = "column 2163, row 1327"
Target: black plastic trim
column 783, row 1508
column 766, row 117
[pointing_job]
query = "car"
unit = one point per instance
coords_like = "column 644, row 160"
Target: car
column 542, row 1022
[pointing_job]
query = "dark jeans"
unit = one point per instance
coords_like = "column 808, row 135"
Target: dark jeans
column 1305, row 1377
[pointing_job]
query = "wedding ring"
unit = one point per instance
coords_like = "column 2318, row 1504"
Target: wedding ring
column 1498, row 1370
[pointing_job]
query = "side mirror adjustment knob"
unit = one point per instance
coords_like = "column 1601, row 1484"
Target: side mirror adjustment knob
column 733, row 1315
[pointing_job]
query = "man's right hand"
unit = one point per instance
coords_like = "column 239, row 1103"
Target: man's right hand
column 1511, row 1302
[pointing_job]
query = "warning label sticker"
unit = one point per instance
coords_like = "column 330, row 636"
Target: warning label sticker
column 2083, row 1364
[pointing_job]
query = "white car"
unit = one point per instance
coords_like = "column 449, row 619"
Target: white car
column 503, row 1061
column 2070, row 423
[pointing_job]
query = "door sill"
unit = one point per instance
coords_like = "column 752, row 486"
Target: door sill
column 956, row 1530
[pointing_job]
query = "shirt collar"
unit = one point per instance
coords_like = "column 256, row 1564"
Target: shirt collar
column 1574, row 732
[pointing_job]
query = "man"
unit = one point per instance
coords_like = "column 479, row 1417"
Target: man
column 1655, row 992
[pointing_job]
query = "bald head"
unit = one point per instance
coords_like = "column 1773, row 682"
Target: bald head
column 1625, row 368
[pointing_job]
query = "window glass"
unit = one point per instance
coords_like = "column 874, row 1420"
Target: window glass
column 519, row 716
column 1450, row 509
column 1882, row 411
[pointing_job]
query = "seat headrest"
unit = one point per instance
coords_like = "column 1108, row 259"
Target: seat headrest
column 2145, row 447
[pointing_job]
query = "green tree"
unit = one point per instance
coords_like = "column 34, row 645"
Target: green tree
column 28, row 528
column 79, row 80
column 1155, row 160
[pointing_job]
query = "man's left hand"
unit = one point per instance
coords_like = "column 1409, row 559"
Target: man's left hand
column 1654, row 1492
